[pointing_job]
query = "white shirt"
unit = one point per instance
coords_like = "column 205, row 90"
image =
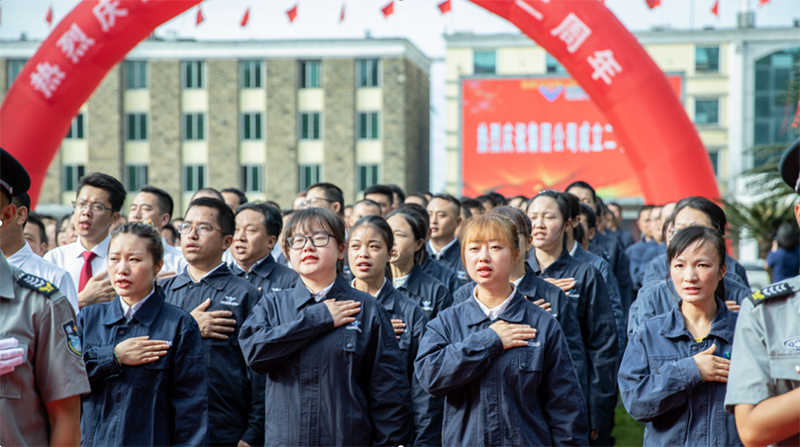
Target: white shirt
column 495, row 312
column 34, row 264
column 437, row 254
column 128, row 311
column 353, row 283
column 319, row 296
column 69, row 257
column 400, row 282
column 173, row 258
column 227, row 257
column 517, row 281
column 574, row 248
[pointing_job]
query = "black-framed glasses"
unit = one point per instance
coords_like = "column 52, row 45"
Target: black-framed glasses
column 317, row 240
column 202, row 229
column 313, row 202
column 94, row 207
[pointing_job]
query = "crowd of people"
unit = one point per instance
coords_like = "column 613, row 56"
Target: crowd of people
column 402, row 319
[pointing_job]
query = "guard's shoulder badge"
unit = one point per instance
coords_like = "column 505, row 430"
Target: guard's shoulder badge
column 777, row 290
column 40, row 285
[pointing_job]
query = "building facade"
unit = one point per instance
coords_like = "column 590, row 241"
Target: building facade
column 267, row 117
column 733, row 86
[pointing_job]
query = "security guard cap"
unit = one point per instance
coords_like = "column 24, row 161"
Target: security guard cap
column 14, row 178
column 789, row 166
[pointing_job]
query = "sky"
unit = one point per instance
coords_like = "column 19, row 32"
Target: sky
column 417, row 20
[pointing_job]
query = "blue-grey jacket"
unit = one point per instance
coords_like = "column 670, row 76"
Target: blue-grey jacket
column 235, row 406
column 519, row 396
column 624, row 236
column 612, row 251
column 533, row 288
column 159, row 403
column 427, row 409
column 595, row 315
column 661, row 385
column 657, row 270
column 452, row 260
column 602, row 266
column 325, row 385
column 267, row 275
column 637, row 255
column 428, row 292
column 660, row 297
column 436, row 269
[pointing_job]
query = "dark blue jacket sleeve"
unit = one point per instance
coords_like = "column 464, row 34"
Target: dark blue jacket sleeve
column 463, row 293
column 443, row 297
column 254, row 434
column 100, row 362
column 616, row 303
column 427, row 409
column 188, row 394
column 572, row 333
column 624, row 283
column 651, row 272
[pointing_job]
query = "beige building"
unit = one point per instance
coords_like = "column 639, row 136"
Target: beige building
column 268, row 117
column 732, row 85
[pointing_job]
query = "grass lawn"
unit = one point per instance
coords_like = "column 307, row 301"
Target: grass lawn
column 628, row 433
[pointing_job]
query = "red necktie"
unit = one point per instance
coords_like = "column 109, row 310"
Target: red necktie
column 86, row 271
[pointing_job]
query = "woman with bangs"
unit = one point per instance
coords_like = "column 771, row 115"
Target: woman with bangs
column 550, row 260
column 328, row 350
column 500, row 362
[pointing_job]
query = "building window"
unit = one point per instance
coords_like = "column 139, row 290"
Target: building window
column 553, row 65
column 251, row 73
column 308, row 175
column 135, row 75
column 135, row 177
column 70, row 176
column 14, row 67
column 714, row 162
column 193, row 74
column 252, row 178
column 194, row 126
column 366, row 176
column 706, row 59
column 368, row 126
column 252, row 125
column 136, row 127
column 310, row 126
column 367, row 72
column 77, row 129
column 706, row 111
column 194, row 178
column 776, row 74
column 485, row 62
column 309, row 74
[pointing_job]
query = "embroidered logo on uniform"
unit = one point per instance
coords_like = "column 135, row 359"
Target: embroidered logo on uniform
column 462, row 275
column 168, row 342
column 73, row 341
column 793, row 344
column 355, row 325
column 426, row 305
column 276, row 289
column 230, row 301
column 533, row 344
column 727, row 354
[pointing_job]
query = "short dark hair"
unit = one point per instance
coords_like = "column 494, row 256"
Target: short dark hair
column 332, row 193
column 591, row 217
column 715, row 214
column 370, row 203
column 584, row 185
column 33, row 219
column 239, row 193
column 273, row 221
column 116, row 192
column 225, row 218
column 645, row 208
column 165, row 203
column 381, row 189
column 466, row 212
column 472, row 203
column 499, row 199
column 484, row 199
column 420, row 196
column 787, row 236
column 449, row 198
column 273, row 204
column 211, row 191
column 22, row 200
column 419, row 209
column 173, row 231
column 399, row 191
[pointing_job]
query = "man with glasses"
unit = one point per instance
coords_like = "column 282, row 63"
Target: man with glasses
column 220, row 302
column 98, row 202
column 325, row 195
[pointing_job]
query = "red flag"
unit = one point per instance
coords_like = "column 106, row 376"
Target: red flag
column 200, row 17
column 388, row 9
column 49, row 16
column 653, row 3
column 796, row 121
column 341, row 15
column 292, row 13
column 246, row 17
column 445, row 6
column 715, row 8
column 762, row 2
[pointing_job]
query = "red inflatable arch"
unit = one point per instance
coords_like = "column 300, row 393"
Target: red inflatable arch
column 599, row 52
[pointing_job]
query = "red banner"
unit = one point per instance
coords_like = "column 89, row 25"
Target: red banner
column 523, row 135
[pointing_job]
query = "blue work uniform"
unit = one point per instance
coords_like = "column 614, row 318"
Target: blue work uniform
column 658, row 269
column 235, row 403
column 427, row 409
column 637, row 255
column 595, row 314
column 533, row 288
column 602, row 266
column 661, row 385
column 451, row 258
column 436, row 269
column 660, row 297
column 611, row 250
column 428, row 292
column 158, row 403
column 493, row 396
column 267, row 275
column 325, row 385
column 624, row 236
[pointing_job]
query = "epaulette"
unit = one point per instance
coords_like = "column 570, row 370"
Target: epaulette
column 38, row 284
column 777, row 290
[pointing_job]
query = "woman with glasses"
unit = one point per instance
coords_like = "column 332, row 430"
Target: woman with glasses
column 328, row 350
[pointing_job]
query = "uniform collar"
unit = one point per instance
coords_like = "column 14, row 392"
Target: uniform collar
column 514, row 313
column 101, row 249
column 529, row 284
column 340, row 289
column 262, row 268
column 413, row 283
column 387, row 298
column 217, row 278
column 145, row 315
column 437, row 254
column 6, row 278
column 721, row 327
column 560, row 262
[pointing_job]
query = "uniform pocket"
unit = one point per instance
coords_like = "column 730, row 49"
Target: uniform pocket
column 11, row 389
column 530, row 360
column 350, row 344
column 785, row 367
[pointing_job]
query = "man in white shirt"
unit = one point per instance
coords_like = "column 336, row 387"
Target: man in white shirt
column 154, row 206
column 21, row 256
column 36, row 234
column 99, row 200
